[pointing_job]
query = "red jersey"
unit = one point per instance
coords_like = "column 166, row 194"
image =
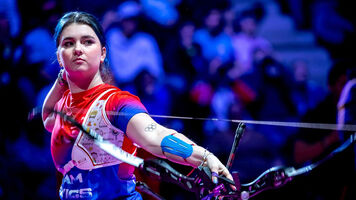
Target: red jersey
column 120, row 107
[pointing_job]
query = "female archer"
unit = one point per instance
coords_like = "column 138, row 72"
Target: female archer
column 81, row 92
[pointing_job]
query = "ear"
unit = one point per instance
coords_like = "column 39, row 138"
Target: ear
column 59, row 60
column 103, row 55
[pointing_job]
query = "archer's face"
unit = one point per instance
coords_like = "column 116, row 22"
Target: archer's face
column 80, row 51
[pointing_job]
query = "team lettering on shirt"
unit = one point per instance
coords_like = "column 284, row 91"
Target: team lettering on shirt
column 81, row 193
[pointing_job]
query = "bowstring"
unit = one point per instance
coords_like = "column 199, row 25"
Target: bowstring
column 322, row 126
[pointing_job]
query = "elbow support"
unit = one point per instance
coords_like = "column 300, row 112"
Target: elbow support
column 176, row 146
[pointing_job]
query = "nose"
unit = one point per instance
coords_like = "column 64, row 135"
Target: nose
column 78, row 49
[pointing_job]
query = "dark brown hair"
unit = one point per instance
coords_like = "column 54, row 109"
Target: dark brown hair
column 90, row 20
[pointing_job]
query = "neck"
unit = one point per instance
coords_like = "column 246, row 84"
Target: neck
column 82, row 84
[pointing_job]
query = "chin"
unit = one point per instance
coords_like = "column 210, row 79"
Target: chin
column 79, row 68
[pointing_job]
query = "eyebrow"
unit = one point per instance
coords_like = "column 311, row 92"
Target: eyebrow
column 83, row 37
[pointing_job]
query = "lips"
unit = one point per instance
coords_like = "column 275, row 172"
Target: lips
column 78, row 60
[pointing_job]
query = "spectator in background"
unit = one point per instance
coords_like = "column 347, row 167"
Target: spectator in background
column 186, row 71
column 35, row 55
column 270, row 99
column 229, row 18
column 6, row 45
column 39, row 13
column 183, row 57
column 154, row 95
column 132, row 51
column 310, row 145
column 333, row 31
column 306, row 94
column 218, row 52
column 28, row 67
column 298, row 10
column 307, row 146
column 207, row 52
column 216, row 44
column 99, row 8
column 245, row 42
column 263, row 95
column 9, row 13
column 158, row 100
column 270, row 81
column 224, row 105
column 161, row 11
column 37, row 66
column 11, row 186
column 10, row 28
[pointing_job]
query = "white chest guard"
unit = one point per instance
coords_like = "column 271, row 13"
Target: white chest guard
column 85, row 154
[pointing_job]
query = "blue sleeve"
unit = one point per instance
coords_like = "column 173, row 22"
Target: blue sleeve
column 126, row 106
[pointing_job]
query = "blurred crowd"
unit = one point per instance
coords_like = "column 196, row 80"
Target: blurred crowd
column 189, row 58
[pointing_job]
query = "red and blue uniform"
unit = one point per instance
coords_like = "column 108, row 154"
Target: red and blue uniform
column 108, row 182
